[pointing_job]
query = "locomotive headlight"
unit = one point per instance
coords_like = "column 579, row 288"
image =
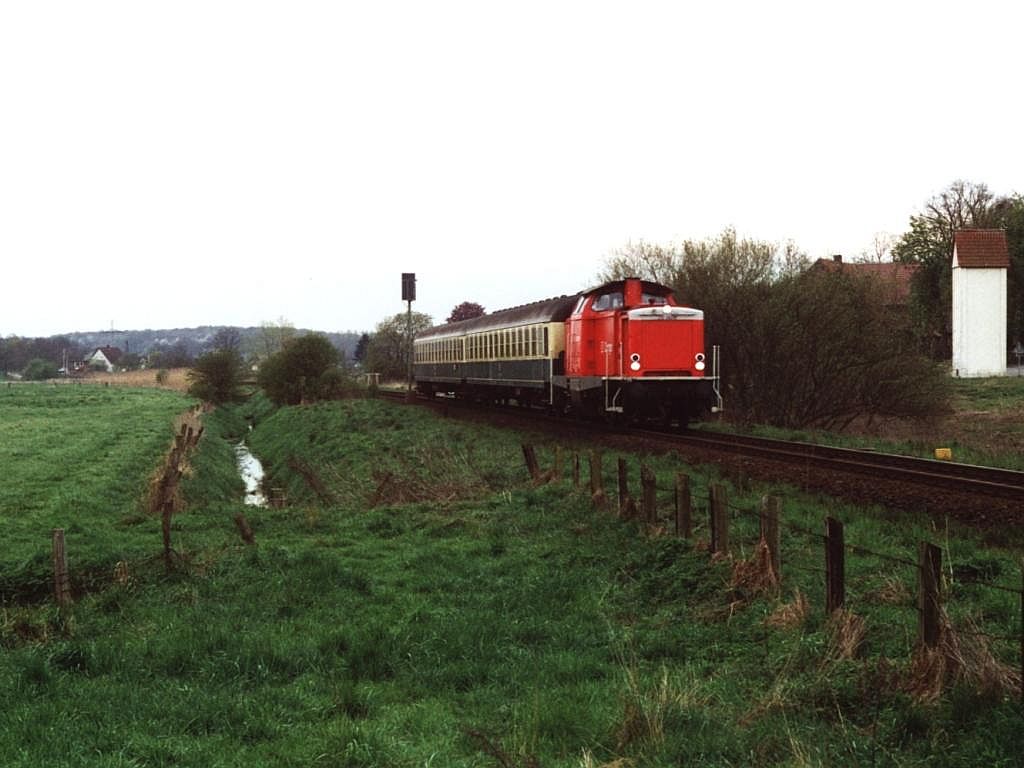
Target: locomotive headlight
column 699, row 357
column 634, row 362
column 699, row 366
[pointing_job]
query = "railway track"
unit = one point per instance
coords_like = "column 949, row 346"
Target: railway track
column 962, row 478
column 932, row 474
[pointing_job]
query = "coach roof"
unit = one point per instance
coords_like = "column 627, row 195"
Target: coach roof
column 547, row 311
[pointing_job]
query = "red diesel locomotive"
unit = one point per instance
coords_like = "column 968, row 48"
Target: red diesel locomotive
column 622, row 350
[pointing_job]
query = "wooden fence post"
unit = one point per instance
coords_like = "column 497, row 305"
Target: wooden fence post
column 61, row 579
column 531, row 462
column 165, row 520
column 623, row 486
column 770, row 507
column 556, row 466
column 650, row 494
column 244, row 529
column 684, row 509
column 835, row 565
column 929, row 572
column 575, row 470
column 596, row 480
column 719, row 519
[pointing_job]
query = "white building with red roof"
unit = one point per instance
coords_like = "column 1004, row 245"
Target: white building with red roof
column 104, row 356
column 981, row 259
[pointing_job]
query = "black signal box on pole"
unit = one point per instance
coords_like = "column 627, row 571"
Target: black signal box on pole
column 408, row 286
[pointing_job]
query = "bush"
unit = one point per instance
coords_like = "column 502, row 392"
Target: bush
column 216, row 377
column 304, row 370
column 39, row 369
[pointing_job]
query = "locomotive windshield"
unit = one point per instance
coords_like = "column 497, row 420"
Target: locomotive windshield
column 654, row 300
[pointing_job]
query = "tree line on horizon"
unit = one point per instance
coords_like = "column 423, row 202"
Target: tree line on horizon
column 174, row 348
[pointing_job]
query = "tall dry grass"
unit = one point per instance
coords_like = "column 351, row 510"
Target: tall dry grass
column 172, row 378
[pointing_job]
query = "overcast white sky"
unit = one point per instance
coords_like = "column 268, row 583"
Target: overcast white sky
column 190, row 163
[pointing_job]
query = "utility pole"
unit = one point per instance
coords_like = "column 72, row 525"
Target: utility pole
column 409, row 296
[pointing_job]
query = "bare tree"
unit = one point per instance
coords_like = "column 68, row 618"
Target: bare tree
column 390, row 345
column 274, row 334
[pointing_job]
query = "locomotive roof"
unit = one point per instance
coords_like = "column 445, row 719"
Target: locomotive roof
column 547, row 311
column 620, row 285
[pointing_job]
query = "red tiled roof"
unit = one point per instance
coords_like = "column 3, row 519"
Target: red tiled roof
column 981, row 248
column 896, row 277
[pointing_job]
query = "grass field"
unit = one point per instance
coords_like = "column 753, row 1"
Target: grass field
column 77, row 458
column 421, row 604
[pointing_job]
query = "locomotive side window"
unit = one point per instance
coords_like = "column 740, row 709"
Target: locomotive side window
column 608, row 301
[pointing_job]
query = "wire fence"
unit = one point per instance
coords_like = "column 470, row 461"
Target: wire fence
column 706, row 507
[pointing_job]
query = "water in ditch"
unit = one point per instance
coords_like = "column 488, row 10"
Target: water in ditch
column 251, row 470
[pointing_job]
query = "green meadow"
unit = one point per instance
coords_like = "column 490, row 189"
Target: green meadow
column 78, row 458
column 418, row 602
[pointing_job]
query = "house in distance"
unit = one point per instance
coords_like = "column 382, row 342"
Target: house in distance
column 106, row 357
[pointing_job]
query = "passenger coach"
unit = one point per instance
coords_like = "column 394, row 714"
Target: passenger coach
column 515, row 353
